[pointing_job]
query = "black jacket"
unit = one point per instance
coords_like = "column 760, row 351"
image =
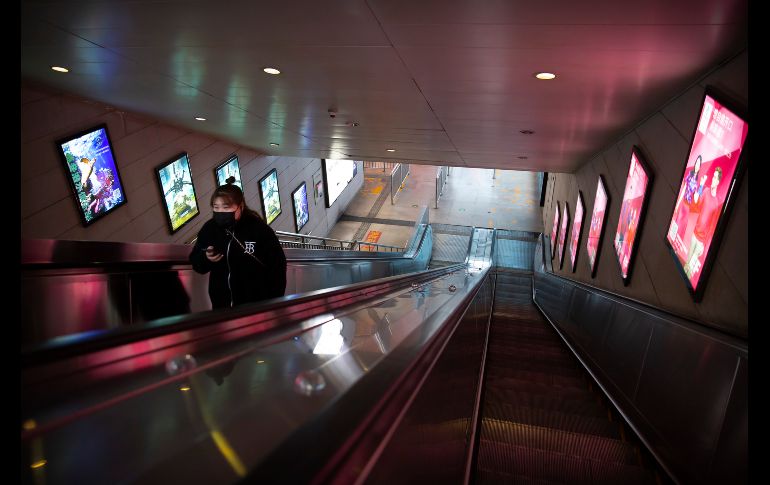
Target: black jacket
column 238, row 277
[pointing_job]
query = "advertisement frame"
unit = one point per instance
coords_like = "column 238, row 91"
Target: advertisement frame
column 579, row 203
column 325, row 177
column 222, row 165
column 167, row 209
column 642, row 213
column 603, row 226
column 294, row 206
column 71, row 181
column 555, row 235
column 262, row 196
column 564, row 228
column 727, row 208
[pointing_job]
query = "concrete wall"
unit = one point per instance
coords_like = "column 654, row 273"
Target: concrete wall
column 664, row 139
column 48, row 207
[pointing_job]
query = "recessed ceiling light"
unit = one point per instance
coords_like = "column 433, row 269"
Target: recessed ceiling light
column 200, row 119
column 545, row 75
column 60, row 69
column 390, row 150
column 527, row 132
column 274, row 144
column 184, row 388
column 271, row 70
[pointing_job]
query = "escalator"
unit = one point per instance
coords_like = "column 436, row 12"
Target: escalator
column 542, row 421
column 451, row 375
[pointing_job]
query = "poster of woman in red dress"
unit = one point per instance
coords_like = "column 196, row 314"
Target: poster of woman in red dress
column 706, row 186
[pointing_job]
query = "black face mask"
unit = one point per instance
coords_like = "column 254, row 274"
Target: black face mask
column 225, row 220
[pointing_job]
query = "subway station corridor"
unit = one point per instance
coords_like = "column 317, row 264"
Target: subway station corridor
column 385, row 241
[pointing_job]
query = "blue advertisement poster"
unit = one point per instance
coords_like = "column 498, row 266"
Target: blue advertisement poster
column 92, row 173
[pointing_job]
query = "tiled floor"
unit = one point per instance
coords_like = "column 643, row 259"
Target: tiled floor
column 472, row 197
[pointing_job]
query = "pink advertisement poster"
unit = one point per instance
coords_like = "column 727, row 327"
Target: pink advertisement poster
column 555, row 228
column 706, row 184
column 563, row 235
column 630, row 213
column 597, row 224
column 576, row 227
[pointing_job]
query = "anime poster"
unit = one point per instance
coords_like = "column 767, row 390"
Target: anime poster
column 597, row 224
column 705, row 187
column 555, row 230
column 577, row 226
column 92, row 173
column 563, row 234
column 178, row 191
column 229, row 169
column 271, row 200
column 299, row 200
column 630, row 213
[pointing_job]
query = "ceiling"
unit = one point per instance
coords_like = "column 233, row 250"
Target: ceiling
column 440, row 81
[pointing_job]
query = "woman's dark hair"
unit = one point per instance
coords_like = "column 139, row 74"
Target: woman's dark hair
column 234, row 195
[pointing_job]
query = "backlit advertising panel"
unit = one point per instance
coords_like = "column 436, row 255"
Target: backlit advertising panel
column 631, row 213
column 595, row 230
column 299, row 201
column 707, row 184
column 337, row 174
column 555, row 230
column 92, row 173
column 269, row 196
column 176, row 186
column 563, row 234
column 577, row 226
column 229, row 169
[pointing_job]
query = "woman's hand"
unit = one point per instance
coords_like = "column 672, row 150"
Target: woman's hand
column 213, row 256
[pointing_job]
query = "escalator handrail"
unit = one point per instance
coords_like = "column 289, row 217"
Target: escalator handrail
column 80, row 344
column 358, row 445
column 70, row 346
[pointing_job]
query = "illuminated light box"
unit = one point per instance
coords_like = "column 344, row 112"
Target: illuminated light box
column 577, row 227
column 269, row 196
column 632, row 213
column 178, row 192
column 714, row 166
column 595, row 230
column 299, row 200
column 555, row 230
column 92, row 173
column 227, row 169
column 563, row 234
column 337, row 174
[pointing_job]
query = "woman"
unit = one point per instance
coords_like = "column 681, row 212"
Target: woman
column 240, row 250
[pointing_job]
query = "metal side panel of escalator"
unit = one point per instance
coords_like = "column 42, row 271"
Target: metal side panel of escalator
column 281, row 393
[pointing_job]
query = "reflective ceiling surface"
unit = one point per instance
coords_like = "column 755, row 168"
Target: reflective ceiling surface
column 440, row 81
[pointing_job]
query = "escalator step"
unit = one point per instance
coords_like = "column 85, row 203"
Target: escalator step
column 512, row 340
column 507, row 385
column 557, row 467
column 537, row 376
column 566, row 369
column 516, row 329
column 532, row 351
column 539, row 464
column 489, row 477
column 506, row 434
column 576, row 423
column 585, row 404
